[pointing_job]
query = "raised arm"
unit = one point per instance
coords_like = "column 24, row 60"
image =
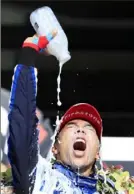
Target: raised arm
column 23, row 135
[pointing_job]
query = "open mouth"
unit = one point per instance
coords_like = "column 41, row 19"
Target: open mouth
column 79, row 145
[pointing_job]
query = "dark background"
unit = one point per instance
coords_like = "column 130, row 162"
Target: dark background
column 101, row 71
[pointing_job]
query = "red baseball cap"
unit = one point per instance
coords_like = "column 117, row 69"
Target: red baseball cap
column 86, row 112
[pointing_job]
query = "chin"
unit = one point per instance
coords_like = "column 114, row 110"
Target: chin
column 79, row 163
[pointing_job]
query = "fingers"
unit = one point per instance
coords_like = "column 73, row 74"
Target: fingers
column 48, row 38
column 29, row 39
column 54, row 33
column 39, row 42
column 51, row 35
column 46, row 52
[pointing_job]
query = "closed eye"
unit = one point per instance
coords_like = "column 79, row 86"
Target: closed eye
column 89, row 127
column 71, row 125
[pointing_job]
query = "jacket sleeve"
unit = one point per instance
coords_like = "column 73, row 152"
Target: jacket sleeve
column 23, row 135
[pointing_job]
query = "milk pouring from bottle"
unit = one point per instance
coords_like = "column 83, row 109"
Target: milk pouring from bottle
column 44, row 21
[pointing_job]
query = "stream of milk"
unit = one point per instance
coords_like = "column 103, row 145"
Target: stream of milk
column 50, row 155
column 58, row 84
column 58, row 91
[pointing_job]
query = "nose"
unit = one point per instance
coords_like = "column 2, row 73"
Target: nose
column 80, row 131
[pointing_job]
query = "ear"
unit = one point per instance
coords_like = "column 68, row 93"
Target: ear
column 97, row 156
column 55, row 150
column 98, row 152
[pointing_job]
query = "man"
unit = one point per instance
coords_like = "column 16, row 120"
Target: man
column 77, row 142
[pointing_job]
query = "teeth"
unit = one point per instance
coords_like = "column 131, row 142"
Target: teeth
column 80, row 140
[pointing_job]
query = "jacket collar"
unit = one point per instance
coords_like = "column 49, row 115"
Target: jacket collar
column 77, row 179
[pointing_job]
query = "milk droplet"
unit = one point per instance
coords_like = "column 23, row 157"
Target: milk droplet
column 58, row 79
column 59, row 103
column 59, row 141
column 58, row 90
column 74, row 90
column 77, row 74
column 57, row 120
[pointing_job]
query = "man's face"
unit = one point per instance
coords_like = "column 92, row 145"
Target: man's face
column 78, row 144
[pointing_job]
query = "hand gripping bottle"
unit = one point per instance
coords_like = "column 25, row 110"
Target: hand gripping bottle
column 44, row 21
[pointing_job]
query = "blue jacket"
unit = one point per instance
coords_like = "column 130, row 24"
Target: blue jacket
column 32, row 173
column 86, row 184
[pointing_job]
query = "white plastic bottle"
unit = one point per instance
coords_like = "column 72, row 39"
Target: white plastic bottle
column 44, row 21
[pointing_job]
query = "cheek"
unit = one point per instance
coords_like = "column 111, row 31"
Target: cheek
column 93, row 142
column 66, row 136
column 66, row 140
